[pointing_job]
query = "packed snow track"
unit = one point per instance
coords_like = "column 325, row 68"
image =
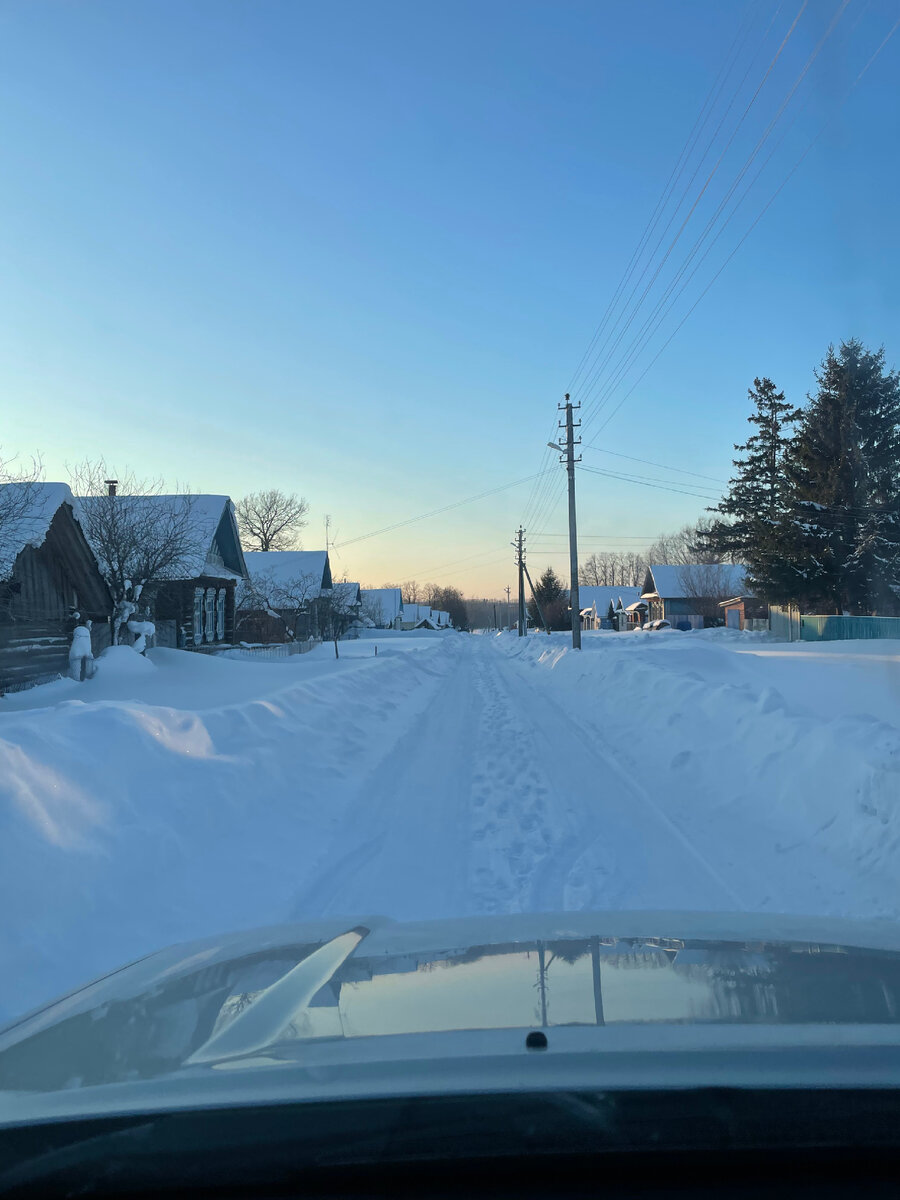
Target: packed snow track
column 178, row 796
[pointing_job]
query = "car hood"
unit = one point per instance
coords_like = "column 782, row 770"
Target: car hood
column 367, row 1006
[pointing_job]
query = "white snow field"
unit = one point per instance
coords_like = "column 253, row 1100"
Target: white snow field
column 179, row 795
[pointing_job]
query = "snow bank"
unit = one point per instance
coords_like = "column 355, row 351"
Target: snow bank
column 125, row 827
column 751, row 746
column 180, row 795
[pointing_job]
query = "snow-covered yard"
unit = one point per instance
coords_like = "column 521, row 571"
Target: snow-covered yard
column 181, row 795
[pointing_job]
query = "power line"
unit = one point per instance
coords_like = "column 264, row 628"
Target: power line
column 437, row 511
column 586, row 390
column 753, row 224
column 655, row 320
column 647, row 483
column 675, row 175
column 648, row 463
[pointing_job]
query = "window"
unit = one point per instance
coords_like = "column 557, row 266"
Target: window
column 220, row 615
column 209, row 633
column 198, row 616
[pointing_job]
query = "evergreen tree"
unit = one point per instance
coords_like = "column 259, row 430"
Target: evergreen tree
column 844, row 472
column 757, row 504
column 553, row 599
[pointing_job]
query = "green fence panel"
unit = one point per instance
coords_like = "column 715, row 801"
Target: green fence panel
column 834, row 628
column 791, row 627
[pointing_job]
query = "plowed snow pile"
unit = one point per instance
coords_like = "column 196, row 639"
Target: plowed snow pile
column 176, row 796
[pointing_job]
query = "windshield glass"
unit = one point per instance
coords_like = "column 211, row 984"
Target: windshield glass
column 449, row 499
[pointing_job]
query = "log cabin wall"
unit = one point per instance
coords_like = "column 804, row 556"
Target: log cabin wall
column 49, row 583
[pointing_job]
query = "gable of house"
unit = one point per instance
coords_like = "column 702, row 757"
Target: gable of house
column 384, row 605
column 48, row 572
column 601, row 597
column 668, row 582
column 285, row 568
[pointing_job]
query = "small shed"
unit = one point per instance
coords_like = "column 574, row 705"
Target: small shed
column 745, row 612
column 48, row 573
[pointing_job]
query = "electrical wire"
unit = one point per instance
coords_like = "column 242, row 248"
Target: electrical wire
column 646, row 483
column 585, row 391
column 648, row 463
column 651, row 323
column 671, row 182
column 437, row 511
column 753, row 225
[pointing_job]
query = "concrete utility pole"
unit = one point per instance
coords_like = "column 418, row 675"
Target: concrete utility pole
column 519, row 546
column 507, row 608
column 569, row 451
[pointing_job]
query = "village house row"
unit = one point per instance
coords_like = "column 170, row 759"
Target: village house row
column 219, row 596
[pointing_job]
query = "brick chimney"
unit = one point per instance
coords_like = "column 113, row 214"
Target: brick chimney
column 111, row 485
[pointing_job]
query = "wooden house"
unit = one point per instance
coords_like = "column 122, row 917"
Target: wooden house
column 383, row 607
column 48, row 574
column 688, row 596
column 595, row 603
column 287, row 596
column 195, row 610
column 345, row 607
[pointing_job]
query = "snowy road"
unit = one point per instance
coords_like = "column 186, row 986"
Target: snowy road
column 176, row 797
column 500, row 799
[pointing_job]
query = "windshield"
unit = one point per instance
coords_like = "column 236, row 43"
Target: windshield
column 449, row 500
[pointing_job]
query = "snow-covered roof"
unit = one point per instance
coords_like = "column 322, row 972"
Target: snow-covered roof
column 213, row 543
column 30, row 508
column 603, row 596
column 286, row 567
column 346, row 594
column 390, row 601
column 418, row 612
column 674, row 582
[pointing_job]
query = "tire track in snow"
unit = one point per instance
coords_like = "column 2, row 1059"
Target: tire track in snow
column 618, row 849
column 402, row 846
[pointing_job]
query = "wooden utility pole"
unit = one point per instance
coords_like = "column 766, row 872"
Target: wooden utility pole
column 519, row 546
column 571, row 460
column 507, row 608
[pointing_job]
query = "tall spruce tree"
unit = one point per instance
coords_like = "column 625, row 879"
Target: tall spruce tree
column 844, row 473
column 553, row 599
column 757, row 502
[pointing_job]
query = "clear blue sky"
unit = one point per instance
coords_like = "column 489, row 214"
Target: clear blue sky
column 356, row 250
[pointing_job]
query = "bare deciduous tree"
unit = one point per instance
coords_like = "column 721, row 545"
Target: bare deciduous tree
column 16, row 502
column 19, row 498
column 339, row 608
column 706, row 584
column 271, row 520
column 613, row 568
column 676, row 549
column 288, row 600
column 140, row 537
